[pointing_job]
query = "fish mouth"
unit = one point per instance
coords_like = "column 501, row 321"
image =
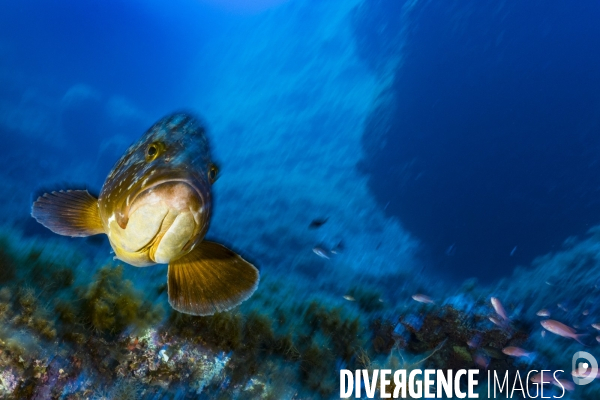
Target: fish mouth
column 197, row 188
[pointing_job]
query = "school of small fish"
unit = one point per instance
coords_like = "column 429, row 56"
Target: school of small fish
column 502, row 320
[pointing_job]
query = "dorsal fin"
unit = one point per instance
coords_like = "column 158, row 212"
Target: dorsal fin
column 69, row 213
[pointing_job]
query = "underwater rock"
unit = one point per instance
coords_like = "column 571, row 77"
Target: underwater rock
column 112, row 305
column 456, row 330
column 50, row 386
column 484, row 139
column 115, row 343
column 384, row 336
column 377, row 26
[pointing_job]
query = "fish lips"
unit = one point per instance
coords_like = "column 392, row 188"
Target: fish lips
column 197, row 185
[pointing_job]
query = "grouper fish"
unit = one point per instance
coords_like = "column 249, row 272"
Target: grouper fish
column 155, row 207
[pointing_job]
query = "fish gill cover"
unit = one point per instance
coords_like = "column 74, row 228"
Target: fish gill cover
column 377, row 160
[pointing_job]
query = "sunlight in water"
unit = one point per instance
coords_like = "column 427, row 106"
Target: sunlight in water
column 244, row 6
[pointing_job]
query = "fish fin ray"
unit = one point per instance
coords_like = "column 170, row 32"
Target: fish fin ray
column 579, row 336
column 69, row 213
column 211, row 278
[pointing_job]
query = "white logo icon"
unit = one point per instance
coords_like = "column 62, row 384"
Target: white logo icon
column 586, row 371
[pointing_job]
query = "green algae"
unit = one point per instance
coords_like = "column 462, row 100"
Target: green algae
column 367, row 299
column 102, row 325
column 256, row 340
column 343, row 333
column 7, row 262
column 111, row 304
column 463, row 353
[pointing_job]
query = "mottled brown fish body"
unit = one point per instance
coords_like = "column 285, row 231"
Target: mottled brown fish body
column 162, row 181
column 155, row 206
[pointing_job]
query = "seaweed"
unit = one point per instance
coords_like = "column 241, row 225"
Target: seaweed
column 8, row 263
column 116, row 336
column 325, row 336
column 66, row 312
column 343, row 333
column 111, row 305
column 315, row 365
column 221, row 331
column 63, row 278
column 367, row 299
column 457, row 329
column 383, row 339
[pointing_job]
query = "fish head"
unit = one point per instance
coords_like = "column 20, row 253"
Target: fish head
column 156, row 202
column 546, row 325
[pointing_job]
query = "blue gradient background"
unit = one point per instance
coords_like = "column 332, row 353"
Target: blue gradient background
column 436, row 137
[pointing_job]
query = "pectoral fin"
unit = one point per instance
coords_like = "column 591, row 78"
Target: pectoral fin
column 211, row 278
column 69, row 213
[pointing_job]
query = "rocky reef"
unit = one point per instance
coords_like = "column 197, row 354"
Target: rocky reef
column 474, row 143
column 71, row 334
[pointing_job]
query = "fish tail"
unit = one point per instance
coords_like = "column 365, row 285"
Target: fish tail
column 579, row 336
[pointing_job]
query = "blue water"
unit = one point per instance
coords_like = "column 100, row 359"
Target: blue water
column 494, row 142
column 443, row 148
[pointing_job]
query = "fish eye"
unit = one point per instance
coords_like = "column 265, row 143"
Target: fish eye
column 212, row 173
column 154, row 150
